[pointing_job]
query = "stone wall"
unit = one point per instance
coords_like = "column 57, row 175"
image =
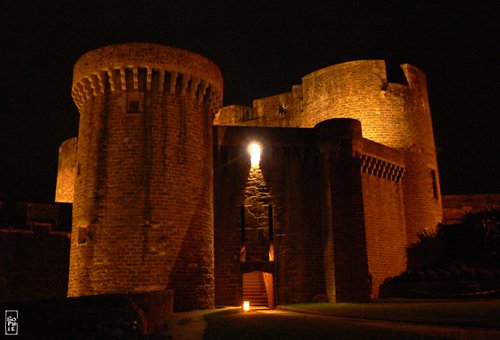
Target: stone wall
column 342, row 205
column 395, row 115
column 143, row 201
column 282, row 110
column 340, row 143
column 230, row 175
column 295, row 199
column 257, row 200
column 337, row 204
column 456, row 206
column 66, row 171
column 298, row 214
column 382, row 170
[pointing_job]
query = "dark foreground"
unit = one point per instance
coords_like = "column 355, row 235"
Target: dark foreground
column 118, row 317
column 443, row 321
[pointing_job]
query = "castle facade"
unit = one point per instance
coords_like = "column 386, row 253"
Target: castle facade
column 166, row 195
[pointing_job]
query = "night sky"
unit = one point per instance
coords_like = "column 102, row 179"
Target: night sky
column 262, row 49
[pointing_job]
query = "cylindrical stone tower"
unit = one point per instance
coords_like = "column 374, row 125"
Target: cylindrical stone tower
column 66, row 171
column 143, row 199
column 396, row 115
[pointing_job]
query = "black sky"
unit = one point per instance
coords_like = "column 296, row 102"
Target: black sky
column 262, row 48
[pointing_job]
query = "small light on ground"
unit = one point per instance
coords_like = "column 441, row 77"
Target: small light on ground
column 246, row 306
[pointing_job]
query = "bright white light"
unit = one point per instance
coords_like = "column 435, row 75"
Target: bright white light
column 254, row 150
column 246, row 306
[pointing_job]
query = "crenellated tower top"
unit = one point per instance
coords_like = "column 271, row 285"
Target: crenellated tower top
column 131, row 67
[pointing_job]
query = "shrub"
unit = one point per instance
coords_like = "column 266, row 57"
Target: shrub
column 475, row 240
column 482, row 236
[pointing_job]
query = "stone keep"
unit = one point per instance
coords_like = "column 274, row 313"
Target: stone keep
column 143, row 188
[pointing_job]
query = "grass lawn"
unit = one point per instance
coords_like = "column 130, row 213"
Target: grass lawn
column 233, row 324
column 484, row 313
column 424, row 320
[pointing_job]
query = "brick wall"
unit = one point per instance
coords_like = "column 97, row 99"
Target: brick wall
column 421, row 187
column 382, row 169
column 422, row 207
column 230, row 175
column 339, row 142
column 282, row 110
column 287, row 155
column 360, row 90
column 144, row 187
column 298, row 213
column 392, row 114
column 339, row 212
column 66, row 171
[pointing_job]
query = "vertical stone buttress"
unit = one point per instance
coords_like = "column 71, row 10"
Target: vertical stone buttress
column 395, row 115
column 345, row 251
column 143, row 195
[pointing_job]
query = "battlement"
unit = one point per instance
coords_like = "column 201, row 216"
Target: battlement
column 391, row 103
column 381, row 161
column 281, row 110
column 139, row 67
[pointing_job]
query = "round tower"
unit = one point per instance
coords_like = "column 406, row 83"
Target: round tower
column 143, row 196
column 66, row 170
column 396, row 115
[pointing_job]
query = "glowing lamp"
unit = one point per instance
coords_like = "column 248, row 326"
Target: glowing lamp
column 254, row 151
column 246, row 306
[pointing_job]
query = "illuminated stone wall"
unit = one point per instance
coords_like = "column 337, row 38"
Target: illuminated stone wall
column 258, row 197
column 345, row 203
column 66, row 171
column 282, row 110
column 386, row 240
column 392, row 114
column 338, row 210
column 143, row 199
column 286, row 156
column 421, row 186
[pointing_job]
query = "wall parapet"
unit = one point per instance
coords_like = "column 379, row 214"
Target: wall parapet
column 381, row 168
column 381, row 161
column 145, row 67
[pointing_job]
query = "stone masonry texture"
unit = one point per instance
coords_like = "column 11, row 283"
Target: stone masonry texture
column 161, row 181
column 66, row 170
column 394, row 169
column 143, row 195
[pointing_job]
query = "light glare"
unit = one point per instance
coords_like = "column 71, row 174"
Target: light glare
column 254, row 150
column 246, row 306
